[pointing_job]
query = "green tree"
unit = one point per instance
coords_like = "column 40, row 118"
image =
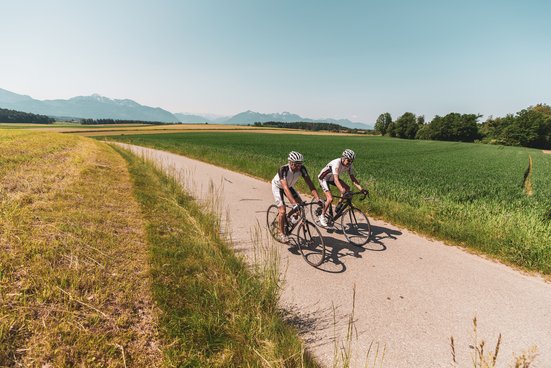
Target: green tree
column 452, row 127
column 406, row 126
column 391, row 129
column 383, row 122
column 530, row 127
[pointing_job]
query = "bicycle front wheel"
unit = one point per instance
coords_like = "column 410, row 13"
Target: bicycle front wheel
column 272, row 216
column 311, row 244
column 356, row 226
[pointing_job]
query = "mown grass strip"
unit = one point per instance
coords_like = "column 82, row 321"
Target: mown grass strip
column 74, row 286
column 215, row 311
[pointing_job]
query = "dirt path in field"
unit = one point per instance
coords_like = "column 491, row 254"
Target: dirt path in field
column 544, row 151
column 412, row 293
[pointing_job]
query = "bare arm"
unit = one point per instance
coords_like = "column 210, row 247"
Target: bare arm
column 313, row 189
column 287, row 191
column 356, row 182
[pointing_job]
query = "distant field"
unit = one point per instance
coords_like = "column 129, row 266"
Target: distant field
column 123, row 129
column 67, row 126
column 471, row 194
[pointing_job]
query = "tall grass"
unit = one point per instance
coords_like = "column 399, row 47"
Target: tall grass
column 484, row 356
column 215, row 311
column 470, row 194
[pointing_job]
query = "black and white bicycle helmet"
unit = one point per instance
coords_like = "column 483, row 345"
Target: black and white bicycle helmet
column 349, row 154
column 295, row 156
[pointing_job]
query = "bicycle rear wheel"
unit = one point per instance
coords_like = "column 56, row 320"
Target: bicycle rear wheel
column 356, row 226
column 272, row 216
column 311, row 244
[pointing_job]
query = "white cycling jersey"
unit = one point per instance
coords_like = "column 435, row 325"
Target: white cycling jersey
column 335, row 167
column 286, row 173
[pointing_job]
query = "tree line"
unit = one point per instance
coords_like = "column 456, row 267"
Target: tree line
column 14, row 116
column 308, row 126
column 530, row 127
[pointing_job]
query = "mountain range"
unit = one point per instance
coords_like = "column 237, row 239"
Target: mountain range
column 99, row 107
column 250, row 117
column 90, row 107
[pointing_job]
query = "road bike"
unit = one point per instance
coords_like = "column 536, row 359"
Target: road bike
column 353, row 221
column 308, row 236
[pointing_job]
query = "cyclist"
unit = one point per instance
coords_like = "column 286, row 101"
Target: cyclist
column 331, row 175
column 282, row 186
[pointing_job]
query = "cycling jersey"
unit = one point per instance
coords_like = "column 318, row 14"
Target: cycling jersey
column 285, row 172
column 335, row 167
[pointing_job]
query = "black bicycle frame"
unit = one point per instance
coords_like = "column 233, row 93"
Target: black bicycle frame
column 289, row 227
column 345, row 204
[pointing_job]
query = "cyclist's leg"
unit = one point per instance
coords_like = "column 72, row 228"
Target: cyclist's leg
column 324, row 184
column 279, row 198
column 322, row 220
column 345, row 186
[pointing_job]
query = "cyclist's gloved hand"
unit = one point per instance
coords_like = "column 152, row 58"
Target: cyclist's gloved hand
column 365, row 192
column 347, row 195
column 295, row 206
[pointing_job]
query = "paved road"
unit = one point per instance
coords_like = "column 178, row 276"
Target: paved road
column 412, row 293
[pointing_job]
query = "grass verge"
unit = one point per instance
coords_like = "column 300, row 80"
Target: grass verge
column 74, row 289
column 215, row 311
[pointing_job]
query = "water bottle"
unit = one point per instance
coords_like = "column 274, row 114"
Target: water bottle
column 293, row 218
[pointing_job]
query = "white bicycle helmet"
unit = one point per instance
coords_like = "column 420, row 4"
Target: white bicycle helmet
column 349, row 154
column 295, row 156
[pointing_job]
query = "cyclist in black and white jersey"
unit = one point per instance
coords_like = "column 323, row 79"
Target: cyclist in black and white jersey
column 331, row 175
column 283, row 186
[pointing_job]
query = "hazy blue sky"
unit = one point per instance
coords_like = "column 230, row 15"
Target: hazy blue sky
column 340, row 59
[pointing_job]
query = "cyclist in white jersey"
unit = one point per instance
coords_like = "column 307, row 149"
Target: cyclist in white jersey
column 331, row 175
column 283, row 186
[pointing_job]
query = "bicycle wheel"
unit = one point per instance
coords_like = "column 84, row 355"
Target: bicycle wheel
column 310, row 242
column 272, row 216
column 356, row 226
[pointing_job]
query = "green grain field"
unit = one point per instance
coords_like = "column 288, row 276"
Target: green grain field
column 469, row 194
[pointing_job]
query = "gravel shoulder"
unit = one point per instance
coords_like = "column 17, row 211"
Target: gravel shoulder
column 412, row 293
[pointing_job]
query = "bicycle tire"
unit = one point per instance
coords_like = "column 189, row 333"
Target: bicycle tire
column 356, row 227
column 272, row 215
column 311, row 244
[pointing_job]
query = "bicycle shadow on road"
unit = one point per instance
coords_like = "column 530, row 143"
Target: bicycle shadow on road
column 334, row 250
column 337, row 249
column 378, row 234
